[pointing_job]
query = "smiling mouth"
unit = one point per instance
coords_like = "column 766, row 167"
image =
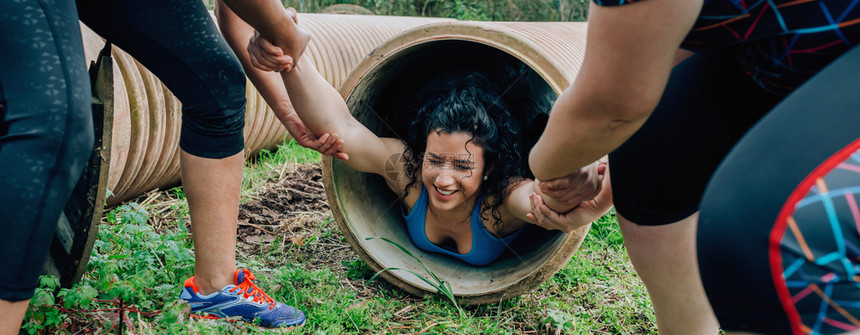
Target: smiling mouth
column 444, row 192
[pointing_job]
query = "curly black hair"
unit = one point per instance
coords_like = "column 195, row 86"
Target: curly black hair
column 470, row 103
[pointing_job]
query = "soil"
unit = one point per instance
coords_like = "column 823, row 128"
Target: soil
column 295, row 210
column 288, row 207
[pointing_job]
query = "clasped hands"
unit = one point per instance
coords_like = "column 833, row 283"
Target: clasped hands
column 266, row 56
column 572, row 201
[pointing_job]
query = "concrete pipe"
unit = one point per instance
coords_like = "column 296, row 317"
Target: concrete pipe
column 545, row 58
column 145, row 150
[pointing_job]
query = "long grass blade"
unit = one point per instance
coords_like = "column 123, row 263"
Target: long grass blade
column 410, row 255
column 441, row 286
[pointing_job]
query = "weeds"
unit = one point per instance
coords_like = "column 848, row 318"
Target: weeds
column 132, row 273
column 442, row 287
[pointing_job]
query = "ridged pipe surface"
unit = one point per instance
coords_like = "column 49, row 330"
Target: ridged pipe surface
column 364, row 207
column 145, row 150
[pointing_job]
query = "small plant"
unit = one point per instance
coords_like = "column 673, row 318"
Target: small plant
column 133, row 273
column 441, row 286
column 42, row 316
column 357, row 269
column 559, row 318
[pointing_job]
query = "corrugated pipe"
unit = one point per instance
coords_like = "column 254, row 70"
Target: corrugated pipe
column 147, row 117
column 534, row 62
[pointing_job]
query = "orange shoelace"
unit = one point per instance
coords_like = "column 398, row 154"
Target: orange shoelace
column 258, row 295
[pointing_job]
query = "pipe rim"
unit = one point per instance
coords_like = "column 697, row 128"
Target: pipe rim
column 504, row 39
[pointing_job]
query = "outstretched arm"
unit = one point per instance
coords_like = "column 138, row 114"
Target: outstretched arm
column 271, row 87
column 323, row 110
column 627, row 64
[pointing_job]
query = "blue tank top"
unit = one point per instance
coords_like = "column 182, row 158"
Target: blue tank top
column 485, row 247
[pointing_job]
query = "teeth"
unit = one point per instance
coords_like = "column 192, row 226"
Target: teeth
column 445, row 192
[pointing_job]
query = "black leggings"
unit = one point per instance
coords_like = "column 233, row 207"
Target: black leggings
column 179, row 43
column 45, row 119
column 778, row 239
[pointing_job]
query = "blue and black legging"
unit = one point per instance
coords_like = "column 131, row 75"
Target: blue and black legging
column 45, row 118
column 779, row 230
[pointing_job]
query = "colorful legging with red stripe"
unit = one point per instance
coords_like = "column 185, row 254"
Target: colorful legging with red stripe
column 779, row 231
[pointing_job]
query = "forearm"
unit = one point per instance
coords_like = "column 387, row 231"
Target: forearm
column 269, row 17
column 582, row 128
column 269, row 84
column 551, row 202
column 517, row 204
column 316, row 102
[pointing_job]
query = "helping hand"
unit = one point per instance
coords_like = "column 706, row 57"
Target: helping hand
column 581, row 215
column 571, row 190
column 327, row 144
column 268, row 57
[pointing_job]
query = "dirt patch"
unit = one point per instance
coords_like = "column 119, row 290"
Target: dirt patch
column 295, row 210
column 301, row 190
column 290, row 207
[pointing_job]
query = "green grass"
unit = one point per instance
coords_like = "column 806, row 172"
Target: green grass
column 137, row 272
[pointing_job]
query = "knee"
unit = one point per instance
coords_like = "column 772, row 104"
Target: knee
column 232, row 81
column 228, row 80
column 214, row 128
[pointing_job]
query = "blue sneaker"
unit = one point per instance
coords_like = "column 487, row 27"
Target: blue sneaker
column 243, row 299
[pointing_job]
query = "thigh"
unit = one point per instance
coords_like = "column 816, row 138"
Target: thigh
column 659, row 173
column 45, row 132
column 778, row 234
column 176, row 40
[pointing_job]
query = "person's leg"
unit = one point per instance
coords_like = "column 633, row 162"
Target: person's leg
column 46, row 138
column 13, row 315
column 180, row 44
column 212, row 187
column 659, row 174
column 779, row 235
column 178, row 41
column 664, row 258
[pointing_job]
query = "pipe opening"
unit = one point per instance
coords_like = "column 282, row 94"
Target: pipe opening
column 369, row 209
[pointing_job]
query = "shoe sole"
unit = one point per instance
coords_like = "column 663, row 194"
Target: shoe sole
column 216, row 318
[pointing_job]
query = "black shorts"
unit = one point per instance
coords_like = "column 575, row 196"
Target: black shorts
column 660, row 173
column 779, row 229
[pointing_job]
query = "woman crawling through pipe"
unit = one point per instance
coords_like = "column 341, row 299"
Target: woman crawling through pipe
column 460, row 172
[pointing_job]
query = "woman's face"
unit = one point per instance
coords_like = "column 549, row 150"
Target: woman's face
column 452, row 170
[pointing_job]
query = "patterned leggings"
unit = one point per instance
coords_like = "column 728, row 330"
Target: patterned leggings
column 45, row 119
column 779, row 230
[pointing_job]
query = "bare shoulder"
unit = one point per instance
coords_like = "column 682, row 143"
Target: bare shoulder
column 509, row 220
column 395, row 174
